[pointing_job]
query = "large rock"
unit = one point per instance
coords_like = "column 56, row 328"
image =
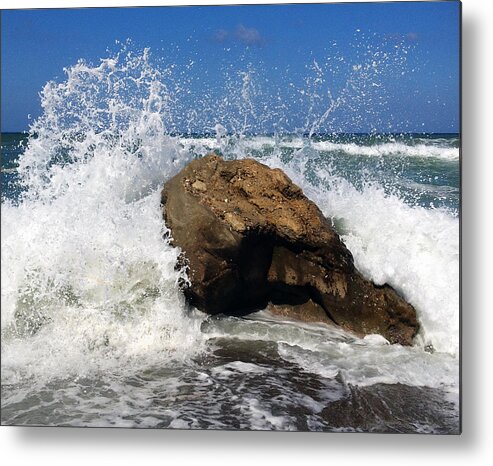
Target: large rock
column 251, row 239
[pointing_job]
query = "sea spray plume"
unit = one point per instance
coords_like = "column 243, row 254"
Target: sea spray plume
column 120, row 105
column 342, row 92
column 87, row 280
column 236, row 108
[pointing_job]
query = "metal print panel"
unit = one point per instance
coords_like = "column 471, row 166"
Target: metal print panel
column 232, row 217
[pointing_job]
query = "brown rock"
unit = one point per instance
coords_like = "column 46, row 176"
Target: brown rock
column 252, row 239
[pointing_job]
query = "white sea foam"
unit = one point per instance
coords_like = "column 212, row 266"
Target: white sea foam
column 389, row 149
column 415, row 250
column 395, row 149
column 88, row 282
column 331, row 352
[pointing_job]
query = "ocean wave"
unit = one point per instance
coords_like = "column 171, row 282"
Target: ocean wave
column 441, row 151
column 391, row 149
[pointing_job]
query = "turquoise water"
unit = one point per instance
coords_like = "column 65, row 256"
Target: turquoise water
column 423, row 169
column 12, row 146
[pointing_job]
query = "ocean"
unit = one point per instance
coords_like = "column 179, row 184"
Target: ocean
column 96, row 332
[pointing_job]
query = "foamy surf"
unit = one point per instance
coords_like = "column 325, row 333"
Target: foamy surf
column 88, row 280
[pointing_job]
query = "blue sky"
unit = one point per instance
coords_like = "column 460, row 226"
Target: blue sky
column 280, row 42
